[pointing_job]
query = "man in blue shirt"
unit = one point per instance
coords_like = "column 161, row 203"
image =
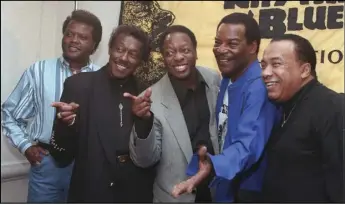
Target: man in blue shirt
column 245, row 116
column 40, row 85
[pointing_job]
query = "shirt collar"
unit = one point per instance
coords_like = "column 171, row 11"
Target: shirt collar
column 253, row 71
column 65, row 65
column 299, row 95
column 129, row 80
column 180, row 90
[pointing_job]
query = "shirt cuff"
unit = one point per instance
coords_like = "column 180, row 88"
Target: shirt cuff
column 24, row 147
column 193, row 168
column 143, row 126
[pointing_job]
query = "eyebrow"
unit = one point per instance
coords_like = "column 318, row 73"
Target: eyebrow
column 271, row 59
column 276, row 58
column 231, row 39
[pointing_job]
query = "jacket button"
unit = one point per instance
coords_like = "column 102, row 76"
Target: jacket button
column 111, row 184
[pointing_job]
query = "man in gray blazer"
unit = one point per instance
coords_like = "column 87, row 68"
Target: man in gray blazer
column 176, row 115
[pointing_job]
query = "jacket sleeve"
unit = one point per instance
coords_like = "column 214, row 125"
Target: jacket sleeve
column 330, row 129
column 253, row 130
column 64, row 137
column 146, row 151
column 17, row 109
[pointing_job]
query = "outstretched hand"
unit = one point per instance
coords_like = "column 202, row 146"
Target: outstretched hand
column 190, row 184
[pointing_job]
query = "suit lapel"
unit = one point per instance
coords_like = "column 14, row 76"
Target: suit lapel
column 105, row 113
column 211, row 91
column 211, row 94
column 175, row 118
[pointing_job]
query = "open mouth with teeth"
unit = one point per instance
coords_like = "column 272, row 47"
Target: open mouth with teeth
column 121, row 67
column 224, row 61
column 181, row 68
column 271, row 84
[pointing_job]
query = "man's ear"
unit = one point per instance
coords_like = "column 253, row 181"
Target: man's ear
column 306, row 70
column 253, row 47
column 93, row 48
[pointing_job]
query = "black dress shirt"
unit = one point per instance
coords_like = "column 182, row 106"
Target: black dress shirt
column 196, row 113
column 118, row 87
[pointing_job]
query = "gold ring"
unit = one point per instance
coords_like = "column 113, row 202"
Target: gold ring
column 59, row 115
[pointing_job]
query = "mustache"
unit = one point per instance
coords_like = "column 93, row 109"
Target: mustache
column 222, row 56
column 72, row 45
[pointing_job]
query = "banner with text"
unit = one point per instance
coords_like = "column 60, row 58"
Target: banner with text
column 319, row 21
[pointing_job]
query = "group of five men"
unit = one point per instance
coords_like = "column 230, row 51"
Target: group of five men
column 254, row 134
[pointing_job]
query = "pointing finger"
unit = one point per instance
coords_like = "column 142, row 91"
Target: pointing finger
column 74, row 105
column 148, row 92
column 58, row 104
column 128, row 95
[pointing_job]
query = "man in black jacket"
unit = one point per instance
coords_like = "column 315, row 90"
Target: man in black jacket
column 96, row 136
column 305, row 153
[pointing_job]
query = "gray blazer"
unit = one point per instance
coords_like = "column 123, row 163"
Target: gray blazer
column 169, row 141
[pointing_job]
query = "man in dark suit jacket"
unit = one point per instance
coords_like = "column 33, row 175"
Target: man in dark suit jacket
column 93, row 126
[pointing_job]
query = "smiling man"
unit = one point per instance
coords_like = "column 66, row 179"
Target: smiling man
column 245, row 116
column 39, row 86
column 93, row 125
column 305, row 154
column 182, row 117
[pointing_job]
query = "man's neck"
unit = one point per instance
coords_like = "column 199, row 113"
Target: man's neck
column 77, row 65
column 289, row 103
column 191, row 81
column 116, row 79
column 237, row 75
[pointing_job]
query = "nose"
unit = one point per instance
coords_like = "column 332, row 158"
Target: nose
column 222, row 49
column 178, row 57
column 267, row 72
column 75, row 39
column 124, row 57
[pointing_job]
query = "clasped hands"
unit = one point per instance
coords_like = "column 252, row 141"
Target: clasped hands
column 205, row 168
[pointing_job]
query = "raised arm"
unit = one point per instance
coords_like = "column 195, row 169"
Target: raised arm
column 253, row 130
column 146, row 137
column 65, row 132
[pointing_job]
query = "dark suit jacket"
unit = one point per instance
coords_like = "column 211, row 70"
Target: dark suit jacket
column 305, row 157
column 91, row 142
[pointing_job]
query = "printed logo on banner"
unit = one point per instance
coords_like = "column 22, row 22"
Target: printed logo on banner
column 319, row 21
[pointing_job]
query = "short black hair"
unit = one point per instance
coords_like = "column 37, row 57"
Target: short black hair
column 252, row 30
column 88, row 18
column 177, row 29
column 303, row 49
column 137, row 33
